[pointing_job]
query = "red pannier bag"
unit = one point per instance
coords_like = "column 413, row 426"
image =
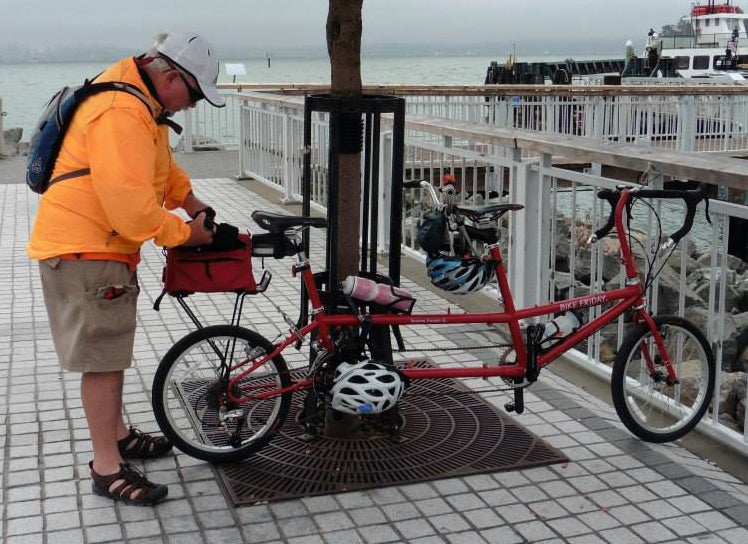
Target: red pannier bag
column 197, row 270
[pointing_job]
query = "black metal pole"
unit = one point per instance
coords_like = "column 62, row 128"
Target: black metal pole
column 396, row 210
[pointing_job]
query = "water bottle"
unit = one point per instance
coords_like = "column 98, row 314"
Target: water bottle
column 560, row 326
column 379, row 293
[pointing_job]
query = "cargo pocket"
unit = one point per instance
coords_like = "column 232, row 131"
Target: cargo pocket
column 111, row 311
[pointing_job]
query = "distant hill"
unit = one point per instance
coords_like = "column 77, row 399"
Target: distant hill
column 576, row 47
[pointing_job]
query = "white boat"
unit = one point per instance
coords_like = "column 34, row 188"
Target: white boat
column 710, row 50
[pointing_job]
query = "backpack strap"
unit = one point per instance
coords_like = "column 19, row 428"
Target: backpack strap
column 90, row 88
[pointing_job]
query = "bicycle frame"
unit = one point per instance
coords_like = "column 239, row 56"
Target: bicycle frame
column 629, row 297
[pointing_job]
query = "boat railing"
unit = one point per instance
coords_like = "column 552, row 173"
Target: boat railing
column 557, row 172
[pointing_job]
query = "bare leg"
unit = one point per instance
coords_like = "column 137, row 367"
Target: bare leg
column 102, row 402
column 101, row 393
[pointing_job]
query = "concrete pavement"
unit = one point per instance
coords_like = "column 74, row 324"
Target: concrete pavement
column 615, row 489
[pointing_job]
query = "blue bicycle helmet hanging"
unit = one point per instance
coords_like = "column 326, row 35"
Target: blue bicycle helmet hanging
column 459, row 275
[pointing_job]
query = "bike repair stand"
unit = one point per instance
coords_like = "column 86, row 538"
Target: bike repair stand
column 355, row 126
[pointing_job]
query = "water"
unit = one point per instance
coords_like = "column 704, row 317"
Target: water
column 25, row 88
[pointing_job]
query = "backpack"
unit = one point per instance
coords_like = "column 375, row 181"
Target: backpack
column 46, row 139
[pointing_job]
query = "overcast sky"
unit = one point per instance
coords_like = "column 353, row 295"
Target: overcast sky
column 274, row 24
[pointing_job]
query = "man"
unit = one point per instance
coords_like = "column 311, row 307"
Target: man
column 88, row 233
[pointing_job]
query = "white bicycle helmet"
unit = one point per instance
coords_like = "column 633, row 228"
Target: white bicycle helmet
column 366, row 387
column 459, row 275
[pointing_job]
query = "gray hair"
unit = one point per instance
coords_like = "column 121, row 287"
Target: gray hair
column 158, row 64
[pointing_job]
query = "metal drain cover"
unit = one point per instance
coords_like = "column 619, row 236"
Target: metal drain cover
column 447, row 433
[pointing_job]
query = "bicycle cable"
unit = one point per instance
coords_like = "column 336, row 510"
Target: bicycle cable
column 651, row 274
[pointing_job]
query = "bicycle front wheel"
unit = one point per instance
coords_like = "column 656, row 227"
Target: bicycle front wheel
column 189, row 396
column 649, row 407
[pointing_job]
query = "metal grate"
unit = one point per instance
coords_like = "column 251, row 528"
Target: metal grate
column 446, row 434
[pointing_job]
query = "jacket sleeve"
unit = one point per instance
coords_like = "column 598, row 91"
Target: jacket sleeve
column 122, row 151
column 178, row 186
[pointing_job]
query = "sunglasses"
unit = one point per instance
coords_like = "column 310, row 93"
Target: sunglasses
column 195, row 94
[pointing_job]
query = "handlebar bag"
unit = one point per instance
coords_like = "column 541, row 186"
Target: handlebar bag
column 205, row 270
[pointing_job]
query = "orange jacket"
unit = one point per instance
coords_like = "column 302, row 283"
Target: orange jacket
column 133, row 181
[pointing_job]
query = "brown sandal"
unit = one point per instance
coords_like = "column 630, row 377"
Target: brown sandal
column 131, row 480
column 140, row 445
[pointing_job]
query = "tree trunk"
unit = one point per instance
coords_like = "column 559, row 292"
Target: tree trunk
column 344, row 48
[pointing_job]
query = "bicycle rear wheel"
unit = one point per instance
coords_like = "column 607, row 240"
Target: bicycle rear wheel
column 188, row 394
column 649, row 407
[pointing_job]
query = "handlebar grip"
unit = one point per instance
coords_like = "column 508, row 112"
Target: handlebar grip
column 691, row 199
column 414, row 184
column 210, row 217
column 612, row 198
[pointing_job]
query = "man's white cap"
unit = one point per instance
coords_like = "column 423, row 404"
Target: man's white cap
column 195, row 56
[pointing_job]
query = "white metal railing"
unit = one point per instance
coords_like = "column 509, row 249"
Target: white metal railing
column 545, row 256
column 686, row 119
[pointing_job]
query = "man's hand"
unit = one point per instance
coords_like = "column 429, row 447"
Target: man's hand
column 200, row 235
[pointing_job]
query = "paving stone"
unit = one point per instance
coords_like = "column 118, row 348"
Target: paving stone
column 586, row 539
column 688, row 504
column 620, row 535
column 324, row 503
column 449, row 523
column 387, row 495
column 333, row 521
column 578, row 504
column 599, row 520
column 483, row 518
column 414, row 528
column 142, row 529
column 715, row 521
column 61, row 521
column 226, row 535
column 546, row 510
column 23, row 509
column 291, row 527
column 533, row 531
column 497, row 497
column 607, row 499
column 103, row 533
column 628, row 514
column 515, row 513
column 216, row 519
column 450, row 486
column 433, row 507
column 374, row 534
column 653, row 531
column 71, row 536
column 505, row 535
column 735, row 535
column 179, row 524
column 719, row 499
column 557, row 488
column 468, row 537
column 684, row 526
column 568, row 527
column 21, row 526
column 342, row 537
column 465, row 501
column 261, row 532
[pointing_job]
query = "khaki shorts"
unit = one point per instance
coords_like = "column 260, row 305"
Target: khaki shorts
column 93, row 327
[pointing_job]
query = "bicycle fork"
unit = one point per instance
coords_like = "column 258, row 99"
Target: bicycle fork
column 661, row 355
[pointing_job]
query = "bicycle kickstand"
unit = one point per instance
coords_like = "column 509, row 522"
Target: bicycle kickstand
column 518, row 405
column 534, row 333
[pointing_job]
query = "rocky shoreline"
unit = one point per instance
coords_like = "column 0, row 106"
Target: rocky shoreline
column 12, row 144
column 699, row 271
